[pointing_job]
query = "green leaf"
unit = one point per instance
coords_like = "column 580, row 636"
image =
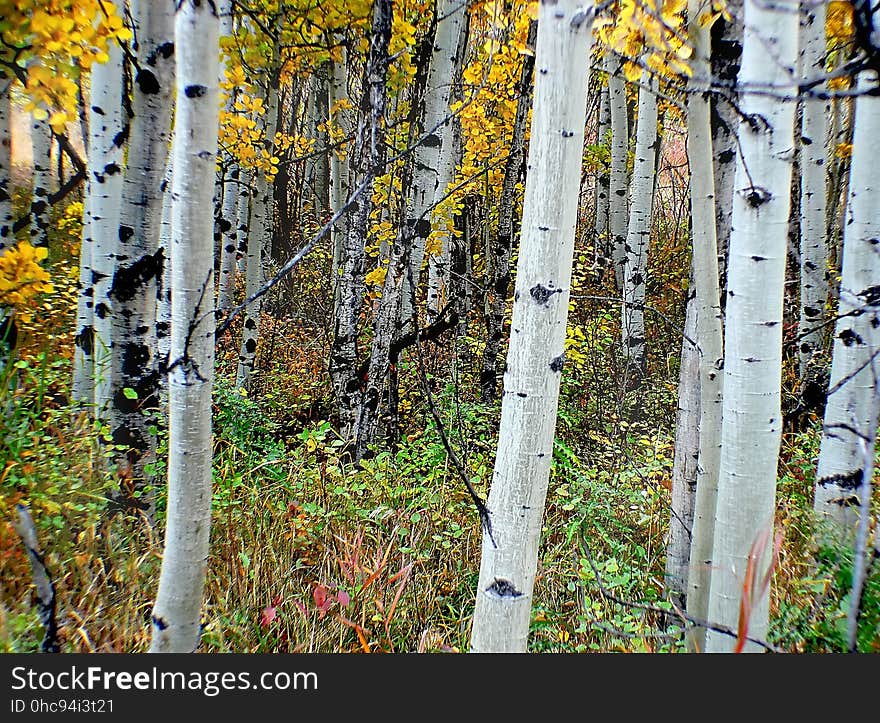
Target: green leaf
column 130, row 393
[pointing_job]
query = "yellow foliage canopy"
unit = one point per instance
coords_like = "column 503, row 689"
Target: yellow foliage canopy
column 22, row 277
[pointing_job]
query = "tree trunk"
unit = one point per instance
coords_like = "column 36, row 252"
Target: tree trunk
column 638, row 236
column 259, row 244
column 229, row 243
column 367, row 159
column 814, row 247
column 540, row 310
column 243, row 224
column 498, row 261
column 7, row 237
column 725, row 61
column 339, row 189
column 163, row 302
column 176, row 615
column 752, row 420
column 601, row 229
column 82, row 390
column 709, row 332
column 106, row 145
column 139, row 259
column 41, row 142
column 428, row 166
column 852, row 406
column 684, row 465
column 619, row 209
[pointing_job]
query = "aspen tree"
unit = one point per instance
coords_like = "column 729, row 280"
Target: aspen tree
column 726, row 54
column 618, row 213
column 852, row 407
column 707, row 308
column 7, row 237
column 752, row 420
column 176, row 615
column 638, row 237
column 498, row 286
column 684, row 464
column 540, row 309
column 426, row 182
column 814, row 247
column 105, row 151
column 41, row 143
column 139, row 259
column 366, row 161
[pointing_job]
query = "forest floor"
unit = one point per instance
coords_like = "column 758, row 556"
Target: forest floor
column 309, row 553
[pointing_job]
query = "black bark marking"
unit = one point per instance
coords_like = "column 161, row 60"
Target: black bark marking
column 85, row 339
column 195, row 91
column 160, row 623
column 757, row 196
column 849, row 337
column 503, row 588
column 147, row 81
column 849, row 481
column 128, row 280
column 542, row 295
column 557, row 363
column 432, row 140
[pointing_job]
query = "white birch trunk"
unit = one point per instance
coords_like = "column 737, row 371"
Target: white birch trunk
column 726, row 54
column 852, row 405
column 163, row 302
column 228, row 214
column 638, row 236
column 256, row 242
column 82, row 389
column 243, row 214
column 7, row 237
column 139, row 259
column 617, row 197
column 540, row 310
column 601, row 239
column 41, row 142
column 339, row 189
column 684, row 465
column 709, row 327
column 752, row 420
column 229, row 240
column 259, row 242
column 814, row 247
column 105, row 154
column 176, row 615
column 432, row 155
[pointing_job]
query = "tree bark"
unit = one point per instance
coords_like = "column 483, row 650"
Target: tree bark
column 540, row 309
column 619, row 210
column 814, row 247
column 367, row 158
column 433, row 152
column 139, row 259
column 41, row 142
column 851, row 410
column 7, row 236
column 725, row 61
column 752, row 420
column 684, row 465
column 601, row 228
column 498, row 260
column 176, row 615
column 106, row 145
column 259, row 242
column 638, row 237
column 709, row 326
